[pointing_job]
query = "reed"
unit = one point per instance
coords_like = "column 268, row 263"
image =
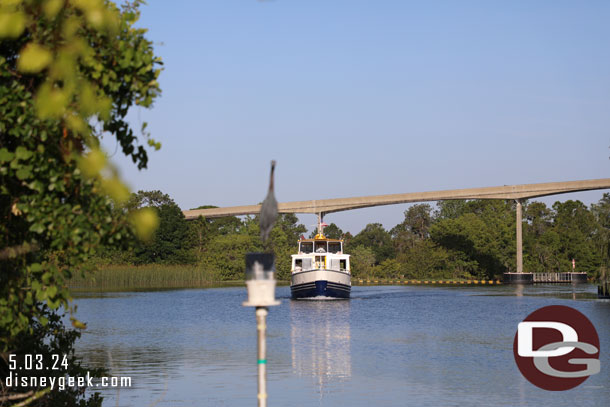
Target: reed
column 144, row 276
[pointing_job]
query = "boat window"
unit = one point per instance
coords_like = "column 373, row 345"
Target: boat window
column 306, row 247
column 298, row 264
column 320, row 262
column 320, row 247
column 334, row 247
column 343, row 264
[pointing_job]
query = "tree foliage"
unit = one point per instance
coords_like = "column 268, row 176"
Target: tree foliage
column 69, row 72
column 172, row 241
column 484, row 233
column 377, row 239
column 362, row 261
column 418, row 219
column 460, row 240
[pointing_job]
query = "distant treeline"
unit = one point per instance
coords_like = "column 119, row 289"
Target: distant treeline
column 457, row 239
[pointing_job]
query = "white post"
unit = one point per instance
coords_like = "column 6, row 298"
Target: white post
column 261, row 328
column 260, row 281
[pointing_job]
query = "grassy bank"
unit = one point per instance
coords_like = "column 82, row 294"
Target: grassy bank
column 125, row 277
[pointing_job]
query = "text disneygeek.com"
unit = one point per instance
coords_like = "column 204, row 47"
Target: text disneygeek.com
column 14, row 380
column 22, row 374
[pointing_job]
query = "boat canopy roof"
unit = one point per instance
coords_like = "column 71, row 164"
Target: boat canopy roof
column 323, row 239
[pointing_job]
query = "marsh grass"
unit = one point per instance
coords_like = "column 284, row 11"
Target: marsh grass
column 150, row 276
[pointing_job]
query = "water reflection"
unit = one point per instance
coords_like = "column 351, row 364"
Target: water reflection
column 320, row 339
column 149, row 362
column 519, row 290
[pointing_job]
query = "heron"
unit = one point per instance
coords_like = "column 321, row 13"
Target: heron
column 268, row 213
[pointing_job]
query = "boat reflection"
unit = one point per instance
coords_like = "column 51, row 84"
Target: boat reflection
column 320, row 338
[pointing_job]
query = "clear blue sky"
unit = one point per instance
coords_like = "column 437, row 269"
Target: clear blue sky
column 360, row 98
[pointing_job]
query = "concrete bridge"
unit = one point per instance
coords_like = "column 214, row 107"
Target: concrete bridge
column 517, row 193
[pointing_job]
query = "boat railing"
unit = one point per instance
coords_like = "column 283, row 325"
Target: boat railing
column 298, row 269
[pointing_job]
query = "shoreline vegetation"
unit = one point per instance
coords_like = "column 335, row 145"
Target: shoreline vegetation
column 472, row 240
column 147, row 276
column 157, row 276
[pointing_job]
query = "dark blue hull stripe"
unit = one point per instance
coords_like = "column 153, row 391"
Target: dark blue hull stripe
column 320, row 288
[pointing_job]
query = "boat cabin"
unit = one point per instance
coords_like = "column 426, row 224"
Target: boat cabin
column 322, row 254
column 320, row 246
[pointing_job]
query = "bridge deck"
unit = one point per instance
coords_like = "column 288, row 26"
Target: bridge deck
column 523, row 191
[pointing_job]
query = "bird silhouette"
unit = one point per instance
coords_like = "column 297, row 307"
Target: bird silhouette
column 268, row 213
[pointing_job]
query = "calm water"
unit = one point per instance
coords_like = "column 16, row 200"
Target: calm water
column 390, row 346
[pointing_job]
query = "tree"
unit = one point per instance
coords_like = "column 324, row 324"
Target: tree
column 485, row 233
column 288, row 223
column 601, row 211
column 203, row 230
column 362, row 260
column 69, row 72
column 171, row 243
column 540, row 240
column 224, row 252
column 417, row 221
column 331, row 231
column 228, row 253
column 375, row 237
column 576, row 227
column 425, row 260
column 389, row 268
column 149, row 199
column 450, row 209
column 224, row 225
column 414, row 227
column 538, row 217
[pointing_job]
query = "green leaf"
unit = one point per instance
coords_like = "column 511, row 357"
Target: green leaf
column 53, row 304
column 51, row 291
column 36, row 186
column 5, row 155
column 92, row 163
column 34, row 58
column 52, row 7
column 41, row 295
column 46, row 277
column 24, row 172
column 23, row 153
column 37, row 228
column 11, row 24
column 36, row 286
column 50, row 102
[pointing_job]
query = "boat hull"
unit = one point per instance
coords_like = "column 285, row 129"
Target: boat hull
column 320, row 283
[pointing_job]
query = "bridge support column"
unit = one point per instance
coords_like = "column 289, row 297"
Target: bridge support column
column 519, row 277
column 519, row 237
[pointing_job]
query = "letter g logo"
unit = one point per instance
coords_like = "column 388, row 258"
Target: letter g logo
column 553, row 345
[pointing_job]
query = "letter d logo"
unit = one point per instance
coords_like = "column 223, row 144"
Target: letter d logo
column 526, row 338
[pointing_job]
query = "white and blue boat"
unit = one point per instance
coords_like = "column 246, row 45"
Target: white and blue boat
column 320, row 269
